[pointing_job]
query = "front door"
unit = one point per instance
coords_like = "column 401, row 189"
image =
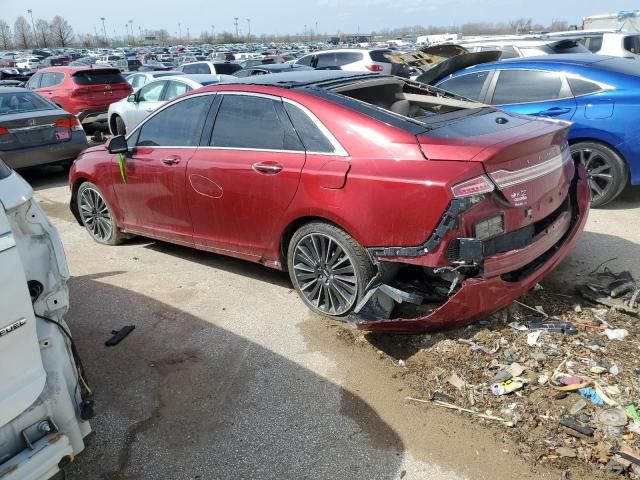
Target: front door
column 242, row 183
column 153, row 197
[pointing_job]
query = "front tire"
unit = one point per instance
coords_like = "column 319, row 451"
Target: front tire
column 607, row 171
column 121, row 129
column 328, row 268
column 97, row 216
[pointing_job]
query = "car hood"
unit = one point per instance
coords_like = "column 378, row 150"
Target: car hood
column 454, row 64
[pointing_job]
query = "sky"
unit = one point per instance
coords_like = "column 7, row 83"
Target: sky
column 290, row 16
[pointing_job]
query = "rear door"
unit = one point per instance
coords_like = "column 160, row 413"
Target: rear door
column 153, row 197
column 533, row 92
column 241, row 184
column 48, row 83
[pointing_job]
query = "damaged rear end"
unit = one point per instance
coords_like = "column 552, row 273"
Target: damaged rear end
column 503, row 231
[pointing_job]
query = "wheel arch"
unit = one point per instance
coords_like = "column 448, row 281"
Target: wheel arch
column 73, row 203
column 297, row 223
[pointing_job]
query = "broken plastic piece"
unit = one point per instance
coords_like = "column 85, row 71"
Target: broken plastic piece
column 576, row 425
column 119, row 335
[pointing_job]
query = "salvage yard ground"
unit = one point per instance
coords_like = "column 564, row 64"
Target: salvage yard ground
column 227, row 375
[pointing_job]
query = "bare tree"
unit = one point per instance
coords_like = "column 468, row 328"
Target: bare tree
column 22, row 32
column 42, row 33
column 521, row 25
column 162, row 36
column 61, row 32
column 5, row 35
column 558, row 25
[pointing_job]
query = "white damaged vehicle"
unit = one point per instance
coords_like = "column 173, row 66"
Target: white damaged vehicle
column 45, row 400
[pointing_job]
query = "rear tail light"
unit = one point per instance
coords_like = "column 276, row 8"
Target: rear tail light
column 476, row 186
column 70, row 123
column 374, row 68
column 4, row 131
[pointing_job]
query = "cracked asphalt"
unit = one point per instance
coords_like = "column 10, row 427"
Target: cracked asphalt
column 227, row 375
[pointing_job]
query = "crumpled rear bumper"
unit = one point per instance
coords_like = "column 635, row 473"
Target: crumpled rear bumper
column 478, row 297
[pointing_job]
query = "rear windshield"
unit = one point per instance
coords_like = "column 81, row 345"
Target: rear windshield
column 569, row 46
column 379, row 55
column 11, row 103
column 97, row 77
column 227, row 68
column 620, row 65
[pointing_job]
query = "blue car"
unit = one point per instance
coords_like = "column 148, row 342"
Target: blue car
column 599, row 94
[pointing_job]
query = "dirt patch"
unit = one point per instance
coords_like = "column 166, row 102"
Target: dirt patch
column 458, row 368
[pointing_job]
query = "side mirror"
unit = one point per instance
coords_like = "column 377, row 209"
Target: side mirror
column 133, row 98
column 117, row 144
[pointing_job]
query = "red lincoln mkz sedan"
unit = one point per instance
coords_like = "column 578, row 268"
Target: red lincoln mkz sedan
column 393, row 204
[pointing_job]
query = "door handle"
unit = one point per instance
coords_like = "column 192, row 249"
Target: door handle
column 172, row 160
column 267, row 168
column 555, row 111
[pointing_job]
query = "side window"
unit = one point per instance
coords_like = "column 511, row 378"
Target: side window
column 51, row 79
column 306, row 60
column 175, row 89
column 525, row 86
column 594, row 44
column 580, row 86
column 312, row 138
column 468, row 86
column 179, row 125
column 34, row 82
column 243, row 73
column 345, row 58
column 189, row 68
column 257, row 72
column 151, row 92
column 241, row 116
column 138, row 81
column 632, row 44
column 326, row 60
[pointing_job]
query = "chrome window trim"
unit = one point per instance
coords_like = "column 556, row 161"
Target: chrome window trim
column 510, row 178
column 339, row 150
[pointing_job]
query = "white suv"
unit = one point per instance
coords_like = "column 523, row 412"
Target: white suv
column 28, row 62
column 524, row 45
column 608, row 42
column 353, row 60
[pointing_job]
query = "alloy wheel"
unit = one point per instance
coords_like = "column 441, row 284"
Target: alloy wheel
column 599, row 169
column 95, row 214
column 325, row 274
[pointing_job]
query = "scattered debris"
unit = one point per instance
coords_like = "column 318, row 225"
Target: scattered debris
column 616, row 290
column 119, row 335
column 567, row 378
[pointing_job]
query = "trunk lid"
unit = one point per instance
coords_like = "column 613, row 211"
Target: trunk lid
column 18, row 131
column 527, row 159
column 23, row 377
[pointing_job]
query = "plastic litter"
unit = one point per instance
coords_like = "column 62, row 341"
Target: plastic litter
column 616, row 334
column 590, row 394
column 576, row 407
column 612, row 417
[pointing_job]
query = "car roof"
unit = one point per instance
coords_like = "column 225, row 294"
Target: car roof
column 280, row 67
column 305, row 78
column 558, row 59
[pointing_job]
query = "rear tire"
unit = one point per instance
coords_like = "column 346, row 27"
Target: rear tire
column 97, row 216
column 607, row 170
column 121, row 129
column 328, row 268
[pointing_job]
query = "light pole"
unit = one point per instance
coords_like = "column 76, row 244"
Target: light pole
column 126, row 29
column 213, row 33
column 235, row 22
column 316, row 31
column 179, row 32
column 133, row 37
column 35, row 37
column 248, row 30
column 104, row 29
column 305, row 32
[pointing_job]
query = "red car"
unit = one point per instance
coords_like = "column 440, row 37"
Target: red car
column 86, row 92
column 394, row 204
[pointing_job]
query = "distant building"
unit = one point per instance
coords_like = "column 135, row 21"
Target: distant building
column 623, row 20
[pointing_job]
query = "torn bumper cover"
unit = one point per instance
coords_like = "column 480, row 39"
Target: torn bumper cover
column 506, row 276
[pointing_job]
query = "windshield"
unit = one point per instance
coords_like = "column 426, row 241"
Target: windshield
column 20, row 102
